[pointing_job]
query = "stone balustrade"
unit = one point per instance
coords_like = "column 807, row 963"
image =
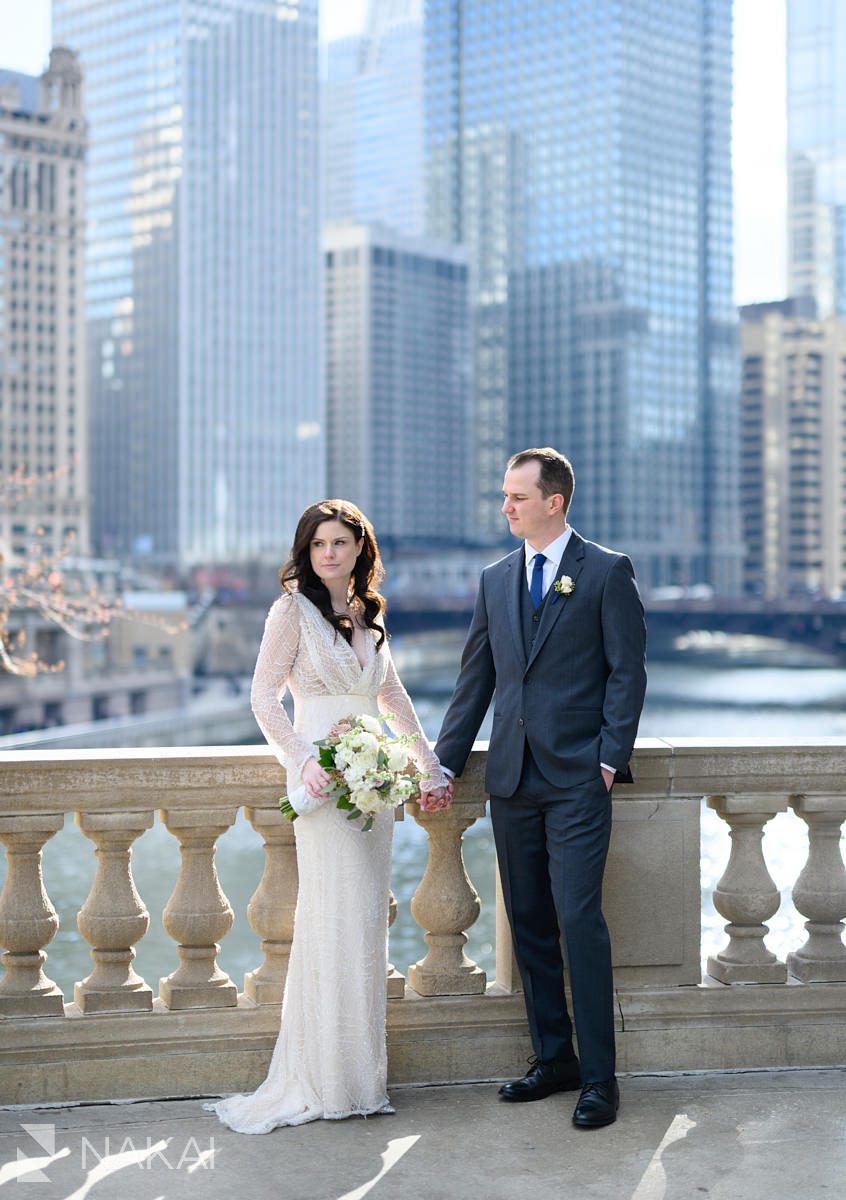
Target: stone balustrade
column 447, row 1021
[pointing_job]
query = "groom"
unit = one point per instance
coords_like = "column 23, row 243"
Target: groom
column 558, row 633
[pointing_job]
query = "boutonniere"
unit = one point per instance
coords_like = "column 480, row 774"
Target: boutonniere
column 564, row 586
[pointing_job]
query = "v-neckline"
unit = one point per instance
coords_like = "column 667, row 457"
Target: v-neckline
column 362, row 667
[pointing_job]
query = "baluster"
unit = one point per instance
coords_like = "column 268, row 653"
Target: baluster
column 445, row 904
column 28, row 921
column 507, row 971
column 396, row 981
column 271, row 909
column 820, row 892
column 113, row 918
column 746, row 894
column 198, row 913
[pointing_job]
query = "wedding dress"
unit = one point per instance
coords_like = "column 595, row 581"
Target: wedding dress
column 330, row 1060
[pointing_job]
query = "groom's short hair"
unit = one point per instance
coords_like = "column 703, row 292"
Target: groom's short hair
column 556, row 477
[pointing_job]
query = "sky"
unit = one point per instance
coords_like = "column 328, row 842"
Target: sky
column 759, row 121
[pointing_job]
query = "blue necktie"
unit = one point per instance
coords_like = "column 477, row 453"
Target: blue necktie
column 536, row 586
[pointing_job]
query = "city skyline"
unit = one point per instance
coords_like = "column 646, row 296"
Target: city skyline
column 203, row 295
column 759, row 136
column 590, row 181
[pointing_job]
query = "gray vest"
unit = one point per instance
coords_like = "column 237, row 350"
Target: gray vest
column 532, row 782
column 529, row 619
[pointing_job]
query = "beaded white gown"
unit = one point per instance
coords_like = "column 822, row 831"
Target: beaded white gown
column 330, row 1059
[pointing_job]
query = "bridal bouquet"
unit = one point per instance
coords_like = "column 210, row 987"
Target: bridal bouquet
column 370, row 771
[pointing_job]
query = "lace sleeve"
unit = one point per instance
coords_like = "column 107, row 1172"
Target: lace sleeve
column 395, row 701
column 275, row 658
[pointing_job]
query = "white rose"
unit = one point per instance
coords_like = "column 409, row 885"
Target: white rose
column 368, row 749
column 367, row 801
column 366, row 741
column 397, row 758
column 364, row 763
column 371, row 725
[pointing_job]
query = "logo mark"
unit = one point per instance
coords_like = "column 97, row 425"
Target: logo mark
column 45, row 1137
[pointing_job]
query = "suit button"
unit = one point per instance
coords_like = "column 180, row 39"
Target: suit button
column 520, row 721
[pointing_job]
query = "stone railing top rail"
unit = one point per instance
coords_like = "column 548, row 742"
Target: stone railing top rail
column 183, row 777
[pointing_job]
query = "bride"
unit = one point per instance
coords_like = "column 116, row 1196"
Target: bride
column 325, row 639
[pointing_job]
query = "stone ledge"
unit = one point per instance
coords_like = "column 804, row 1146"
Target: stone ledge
column 741, row 1004
column 444, row 1039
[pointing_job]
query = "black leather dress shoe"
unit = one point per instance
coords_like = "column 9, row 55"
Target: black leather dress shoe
column 543, row 1079
column 597, row 1105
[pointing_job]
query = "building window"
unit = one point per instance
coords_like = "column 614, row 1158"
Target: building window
column 20, row 184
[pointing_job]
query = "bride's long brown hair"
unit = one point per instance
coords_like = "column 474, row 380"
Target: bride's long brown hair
column 367, row 574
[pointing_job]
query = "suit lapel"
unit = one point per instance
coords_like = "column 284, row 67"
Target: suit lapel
column 571, row 564
column 515, row 578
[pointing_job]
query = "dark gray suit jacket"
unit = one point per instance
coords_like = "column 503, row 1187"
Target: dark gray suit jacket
column 577, row 698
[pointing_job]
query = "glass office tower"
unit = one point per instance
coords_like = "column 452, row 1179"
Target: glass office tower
column 373, row 120
column 816, row 150
column 398, row 381
column 581, row 150
column 203, row 272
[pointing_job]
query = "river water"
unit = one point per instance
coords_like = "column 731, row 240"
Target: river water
column 685, row 698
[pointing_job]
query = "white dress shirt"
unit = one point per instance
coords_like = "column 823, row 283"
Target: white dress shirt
column 553, row 554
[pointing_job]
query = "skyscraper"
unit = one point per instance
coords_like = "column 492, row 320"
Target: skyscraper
column 793, row 449
column 43, row 393
column 373, row 120
column 203, row 272
column 581, row 150
column 398, row 382
column 816, row 136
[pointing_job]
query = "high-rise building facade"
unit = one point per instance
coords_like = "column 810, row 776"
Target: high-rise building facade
column 373, row 120
column 816, row 137
column 203, row 272
column 398, row 382
column 581, row 151
column 43, row 391
column 793, row 479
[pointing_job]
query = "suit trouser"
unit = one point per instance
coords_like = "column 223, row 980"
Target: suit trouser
column 551, row 854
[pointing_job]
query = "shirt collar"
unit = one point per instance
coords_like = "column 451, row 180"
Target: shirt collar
column 554, row 551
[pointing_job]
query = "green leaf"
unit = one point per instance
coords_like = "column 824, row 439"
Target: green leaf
column 367, row 826
column 354, row 815
column 326, row 758
column 345, row 802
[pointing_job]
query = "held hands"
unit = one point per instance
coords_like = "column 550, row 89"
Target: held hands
column 437, row 799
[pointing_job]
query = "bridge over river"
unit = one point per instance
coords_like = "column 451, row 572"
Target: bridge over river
column 811, row 622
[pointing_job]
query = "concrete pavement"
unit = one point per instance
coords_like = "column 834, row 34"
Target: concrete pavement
column 755, row 1135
